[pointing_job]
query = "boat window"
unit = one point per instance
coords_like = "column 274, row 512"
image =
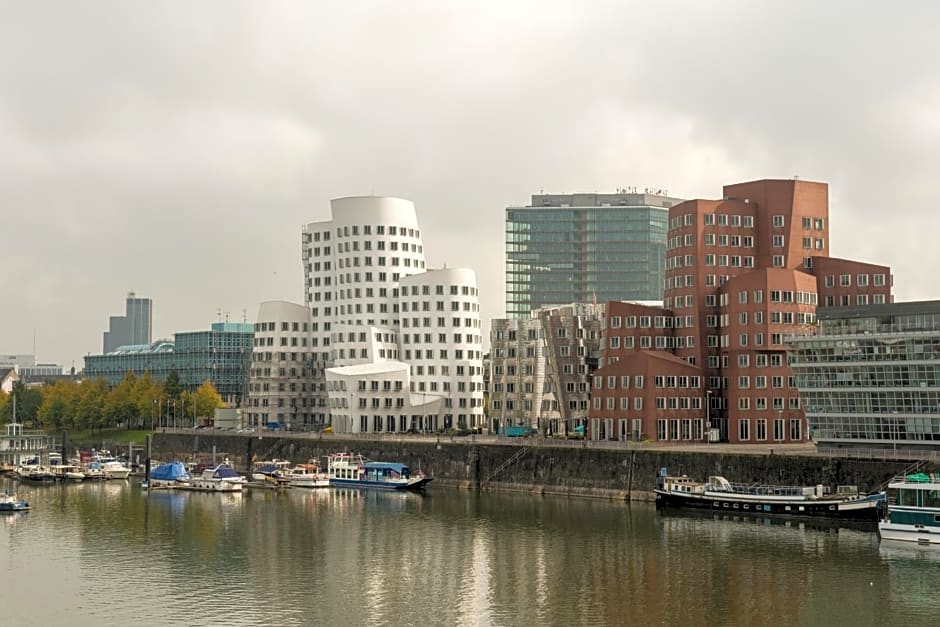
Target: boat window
column 908, row 497
column 746, row 506
column 931, row 498
column 787, row 508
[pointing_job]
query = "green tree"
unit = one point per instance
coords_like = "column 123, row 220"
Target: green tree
column 28, row 401
column 5, row 407
column 121, row 404
column 90, row 405
column 147, row 391
column 207, row 400
column 58, row 405
column 172, row 386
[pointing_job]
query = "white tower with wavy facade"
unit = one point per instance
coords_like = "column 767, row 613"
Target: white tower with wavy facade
column 395, row 347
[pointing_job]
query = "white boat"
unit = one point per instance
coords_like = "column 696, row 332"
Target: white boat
column 114, row 469
column 913, row 513
column 94, row 472
column 269, row 470
column 34, row 471
column 67, row 472
column 12, row 503
column 308, row 476
column 222, row 478
column 354, row 471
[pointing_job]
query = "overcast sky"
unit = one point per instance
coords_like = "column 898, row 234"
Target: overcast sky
column 176, row 148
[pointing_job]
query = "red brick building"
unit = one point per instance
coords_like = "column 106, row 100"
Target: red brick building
column 742, row 273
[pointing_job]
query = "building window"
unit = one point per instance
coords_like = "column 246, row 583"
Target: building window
column 744, row 429
column 761, row 429
column 796, row 429
column 778, row 222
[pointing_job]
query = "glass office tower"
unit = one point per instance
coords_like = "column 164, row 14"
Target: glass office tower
column 567, row 248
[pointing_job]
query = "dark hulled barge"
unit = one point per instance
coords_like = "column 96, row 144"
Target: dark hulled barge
column 719, row 494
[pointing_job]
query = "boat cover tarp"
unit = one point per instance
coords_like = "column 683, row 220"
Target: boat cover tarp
column 225, row 472
column 169, row 472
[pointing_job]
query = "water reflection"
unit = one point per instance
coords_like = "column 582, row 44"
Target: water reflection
column 346, row 556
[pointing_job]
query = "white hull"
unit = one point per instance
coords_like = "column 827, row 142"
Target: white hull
column 909, row 533
column 212, row 485
column 167, row 484
column 118, row 474
column 309, row 482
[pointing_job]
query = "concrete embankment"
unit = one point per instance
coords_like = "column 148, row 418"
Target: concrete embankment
column 628, row 474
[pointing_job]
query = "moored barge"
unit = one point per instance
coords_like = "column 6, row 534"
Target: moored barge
column 719, row 494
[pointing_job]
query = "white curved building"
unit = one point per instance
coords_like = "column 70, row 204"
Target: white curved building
column 280, row 389
column 395, row 347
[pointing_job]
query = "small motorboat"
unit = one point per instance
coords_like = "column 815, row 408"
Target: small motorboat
column 11, row 503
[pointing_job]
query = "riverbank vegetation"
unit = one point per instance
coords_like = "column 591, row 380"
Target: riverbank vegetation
column 137, row 403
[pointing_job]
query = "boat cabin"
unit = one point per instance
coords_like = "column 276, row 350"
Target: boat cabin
column 921, row 490
column 386, row 471
column 682, row 484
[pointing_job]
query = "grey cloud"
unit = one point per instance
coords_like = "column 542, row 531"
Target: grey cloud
column 176, row 148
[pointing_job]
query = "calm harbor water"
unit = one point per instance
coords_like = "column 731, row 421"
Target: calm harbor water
column 109, row 554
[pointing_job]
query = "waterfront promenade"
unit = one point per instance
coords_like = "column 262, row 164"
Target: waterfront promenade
column 810, row 449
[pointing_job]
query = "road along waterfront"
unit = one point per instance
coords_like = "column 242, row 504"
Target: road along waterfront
column 109, row 554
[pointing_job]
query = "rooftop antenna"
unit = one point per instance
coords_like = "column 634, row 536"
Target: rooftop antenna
column 226, row 316
column 244, row 315
column 218, row 313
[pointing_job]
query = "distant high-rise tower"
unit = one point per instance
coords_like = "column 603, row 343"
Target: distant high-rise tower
column 134, row 327
column 570, row 248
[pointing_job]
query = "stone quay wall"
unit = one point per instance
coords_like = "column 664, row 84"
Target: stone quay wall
column 628, row 474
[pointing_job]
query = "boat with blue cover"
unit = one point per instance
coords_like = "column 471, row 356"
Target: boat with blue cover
column 354, row 471
column 913, row 512
column 170, row 475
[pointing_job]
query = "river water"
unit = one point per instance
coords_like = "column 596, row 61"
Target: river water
column 110, row 554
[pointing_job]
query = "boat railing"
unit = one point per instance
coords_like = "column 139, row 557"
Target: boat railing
column 756, row 489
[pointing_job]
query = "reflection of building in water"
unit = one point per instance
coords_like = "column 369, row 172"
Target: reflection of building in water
column 911, row 582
